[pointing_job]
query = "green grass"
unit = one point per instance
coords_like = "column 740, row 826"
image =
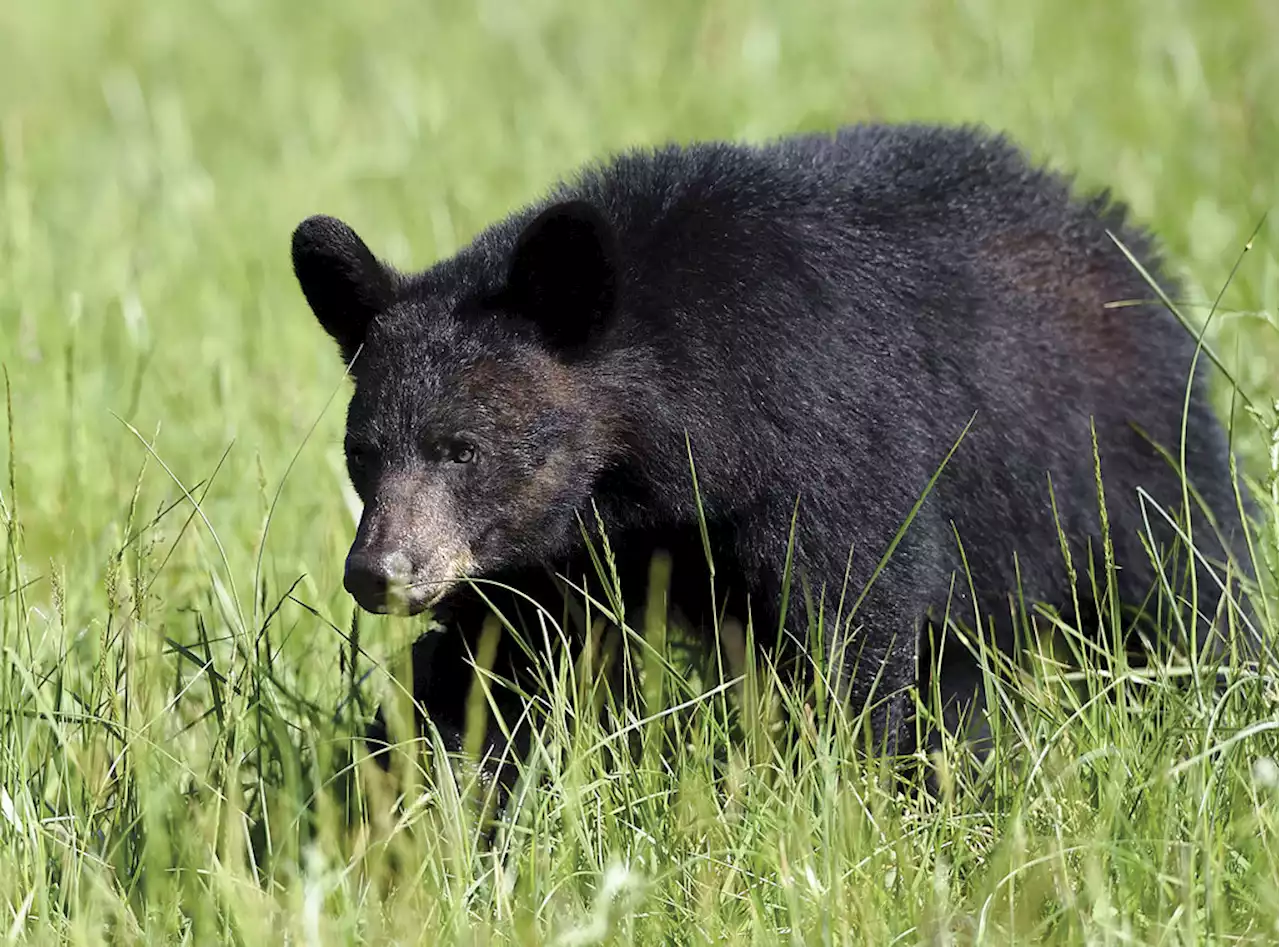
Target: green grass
column 174, row 674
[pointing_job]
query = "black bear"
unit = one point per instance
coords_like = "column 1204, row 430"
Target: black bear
column 814, row 322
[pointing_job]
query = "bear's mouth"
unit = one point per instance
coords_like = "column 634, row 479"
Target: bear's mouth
column 383, row 601
column 410, row 601
column 415, row 597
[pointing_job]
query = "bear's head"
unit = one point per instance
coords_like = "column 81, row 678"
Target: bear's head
column 476, row 432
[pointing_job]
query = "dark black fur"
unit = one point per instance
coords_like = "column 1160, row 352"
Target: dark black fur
column 822, row 316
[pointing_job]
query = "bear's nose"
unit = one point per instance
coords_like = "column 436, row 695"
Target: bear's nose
column 372, row 575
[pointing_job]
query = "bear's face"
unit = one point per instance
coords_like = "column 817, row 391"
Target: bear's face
column 470, row 439
column 469, row 457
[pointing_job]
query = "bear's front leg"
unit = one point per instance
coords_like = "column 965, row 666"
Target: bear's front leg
column 872, row 656
column 445, row 678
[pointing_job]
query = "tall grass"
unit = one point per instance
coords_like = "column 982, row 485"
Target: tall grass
column 183, row 682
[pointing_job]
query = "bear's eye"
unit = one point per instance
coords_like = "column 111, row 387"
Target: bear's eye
column 359, row 455
column 452, row 450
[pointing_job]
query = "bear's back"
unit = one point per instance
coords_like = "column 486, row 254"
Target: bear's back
column 828, row 305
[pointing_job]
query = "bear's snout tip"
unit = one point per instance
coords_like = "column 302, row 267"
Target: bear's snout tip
column 382, row 581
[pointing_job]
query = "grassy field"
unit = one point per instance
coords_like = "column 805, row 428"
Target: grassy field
column 175, row 657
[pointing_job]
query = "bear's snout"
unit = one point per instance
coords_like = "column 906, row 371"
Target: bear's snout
column 410, row 549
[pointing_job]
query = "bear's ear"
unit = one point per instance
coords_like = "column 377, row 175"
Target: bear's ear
column 564, row 273
column 345, row 284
